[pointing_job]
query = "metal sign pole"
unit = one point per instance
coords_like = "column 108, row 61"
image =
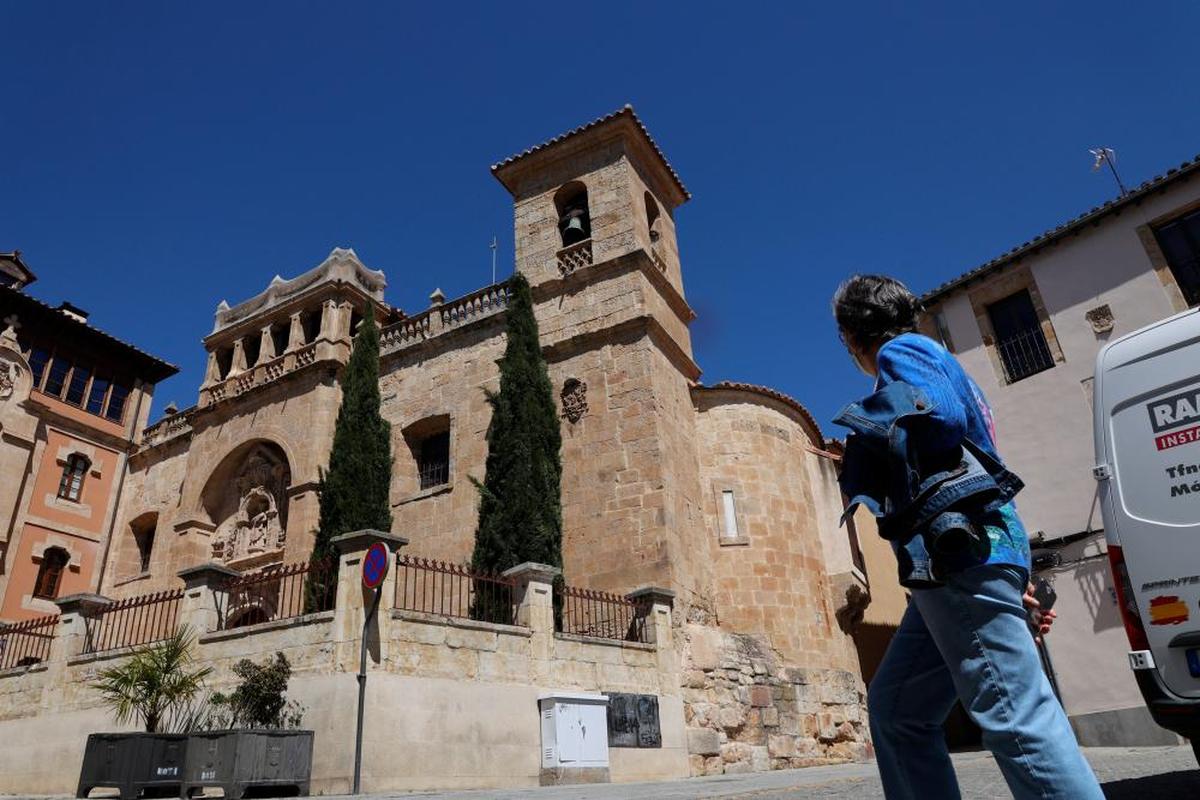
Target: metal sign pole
column 362, row 690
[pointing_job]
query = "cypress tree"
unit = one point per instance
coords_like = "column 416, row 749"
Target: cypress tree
column 520, row 509
column 354, row 489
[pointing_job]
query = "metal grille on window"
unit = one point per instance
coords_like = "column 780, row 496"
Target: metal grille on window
column 1020, row 341
column 433, row 464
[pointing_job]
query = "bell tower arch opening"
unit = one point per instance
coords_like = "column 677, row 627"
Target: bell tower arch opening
column 574, row 216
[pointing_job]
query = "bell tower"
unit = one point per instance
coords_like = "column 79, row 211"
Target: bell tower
column 600, row 196
column 595, row 236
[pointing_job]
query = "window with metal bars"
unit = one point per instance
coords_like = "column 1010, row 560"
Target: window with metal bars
column 1020, row 341
column 1179, row 240
column 70, row 485
column 433, row 461
column 49, row 577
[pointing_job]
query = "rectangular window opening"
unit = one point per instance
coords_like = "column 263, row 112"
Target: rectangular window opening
column 1179, row 241
column 1020, row 341
column 729, row 514
column 116, row 403
column 433, row 462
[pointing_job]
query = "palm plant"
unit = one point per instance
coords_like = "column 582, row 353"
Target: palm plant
column 156, row 685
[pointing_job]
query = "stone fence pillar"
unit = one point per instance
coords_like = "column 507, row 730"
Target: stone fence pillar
column 74, row 612
column 656, row 603
column 352, row 598
column 534, row 595
column 200, row 609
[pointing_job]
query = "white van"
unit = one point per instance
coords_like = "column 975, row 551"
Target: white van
column 1147, row 428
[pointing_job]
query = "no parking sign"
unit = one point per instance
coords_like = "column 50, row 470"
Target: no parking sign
column 375, row 565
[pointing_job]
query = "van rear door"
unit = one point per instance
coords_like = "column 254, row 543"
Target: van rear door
column 1147, row 406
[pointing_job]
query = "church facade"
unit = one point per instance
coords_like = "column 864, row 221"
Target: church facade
column 724, row 494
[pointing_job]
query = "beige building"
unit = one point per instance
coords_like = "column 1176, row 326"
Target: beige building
column 1028, row 326
column 724, row 494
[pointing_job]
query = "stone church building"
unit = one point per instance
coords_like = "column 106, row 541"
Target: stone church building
column 723, row 493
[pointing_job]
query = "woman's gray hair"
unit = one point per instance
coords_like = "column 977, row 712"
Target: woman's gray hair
column 870, row 309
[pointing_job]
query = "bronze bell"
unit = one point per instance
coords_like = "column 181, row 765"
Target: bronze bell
column 572, row 227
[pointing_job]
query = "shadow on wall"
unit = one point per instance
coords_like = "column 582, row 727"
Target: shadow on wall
column 1094, row 580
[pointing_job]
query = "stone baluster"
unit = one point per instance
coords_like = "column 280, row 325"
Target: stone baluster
column 295, row 334
column 346, row 315
column 200, row 609
column 266, row 346
column 329, row 321
column 239, row 359
column 74, row 613
column 353, row 598
column 212, row 373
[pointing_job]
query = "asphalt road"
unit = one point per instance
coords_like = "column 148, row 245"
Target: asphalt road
column 1141, row 773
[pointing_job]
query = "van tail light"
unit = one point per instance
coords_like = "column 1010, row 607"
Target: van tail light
column 1127, row 601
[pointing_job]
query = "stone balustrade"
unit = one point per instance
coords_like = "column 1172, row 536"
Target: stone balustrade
column 168, row 428
column 443, row 317
column 258, row 375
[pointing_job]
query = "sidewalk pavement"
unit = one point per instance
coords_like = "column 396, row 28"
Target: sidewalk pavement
column 1128, row 773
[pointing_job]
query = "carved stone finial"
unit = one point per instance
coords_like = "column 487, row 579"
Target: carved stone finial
column 1101, row 318
column 437, row 298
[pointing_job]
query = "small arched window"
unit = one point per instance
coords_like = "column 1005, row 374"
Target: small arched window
column 652, row 215
column 574, row 217
column 49, row 577
column 70, row 485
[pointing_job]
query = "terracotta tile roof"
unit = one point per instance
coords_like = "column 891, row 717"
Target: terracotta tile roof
column 1070, row 226
column 787, row 400
column 152, row 368
column 625, row 111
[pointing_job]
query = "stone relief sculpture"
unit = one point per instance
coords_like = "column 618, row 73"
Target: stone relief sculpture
column 257, row 526
column 8, row 379
column 574, row 399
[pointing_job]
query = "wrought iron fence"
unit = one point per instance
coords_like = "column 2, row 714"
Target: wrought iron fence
column 586, row 612
column 1025, row 354
column 279, row 592
column 25, row 643
column 454, row 590
column 133, row 621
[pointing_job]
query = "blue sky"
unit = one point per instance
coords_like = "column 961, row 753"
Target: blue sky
column 156, row 158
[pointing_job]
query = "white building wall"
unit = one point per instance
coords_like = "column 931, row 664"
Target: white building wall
column 1044, row 431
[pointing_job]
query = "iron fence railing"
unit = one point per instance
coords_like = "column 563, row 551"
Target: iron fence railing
column 1025, row 354
column 133, row 621
column 26, row 643
column 454, row 590
column 279, row 592
column 586, row 612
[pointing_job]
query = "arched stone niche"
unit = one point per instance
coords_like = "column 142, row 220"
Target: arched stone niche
column 246, row 499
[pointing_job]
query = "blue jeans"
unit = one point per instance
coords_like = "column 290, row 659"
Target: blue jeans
column 969, row 640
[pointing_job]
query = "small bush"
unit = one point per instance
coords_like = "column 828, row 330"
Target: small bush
column 260, row 700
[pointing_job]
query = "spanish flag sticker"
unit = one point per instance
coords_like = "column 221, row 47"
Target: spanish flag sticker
column 1168, row 610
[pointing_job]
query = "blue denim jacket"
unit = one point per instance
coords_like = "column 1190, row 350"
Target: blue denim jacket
column 929, row 511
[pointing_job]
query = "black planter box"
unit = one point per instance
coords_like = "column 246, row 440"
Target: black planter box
column 133, row 763
column 235, row 761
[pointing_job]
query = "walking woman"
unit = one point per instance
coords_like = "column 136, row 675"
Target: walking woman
column 965, row 635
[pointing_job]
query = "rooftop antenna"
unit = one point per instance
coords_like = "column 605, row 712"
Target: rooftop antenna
column 1106, row 155
column 493, row 245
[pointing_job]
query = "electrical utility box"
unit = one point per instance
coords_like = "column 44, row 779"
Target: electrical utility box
column 574, row 730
